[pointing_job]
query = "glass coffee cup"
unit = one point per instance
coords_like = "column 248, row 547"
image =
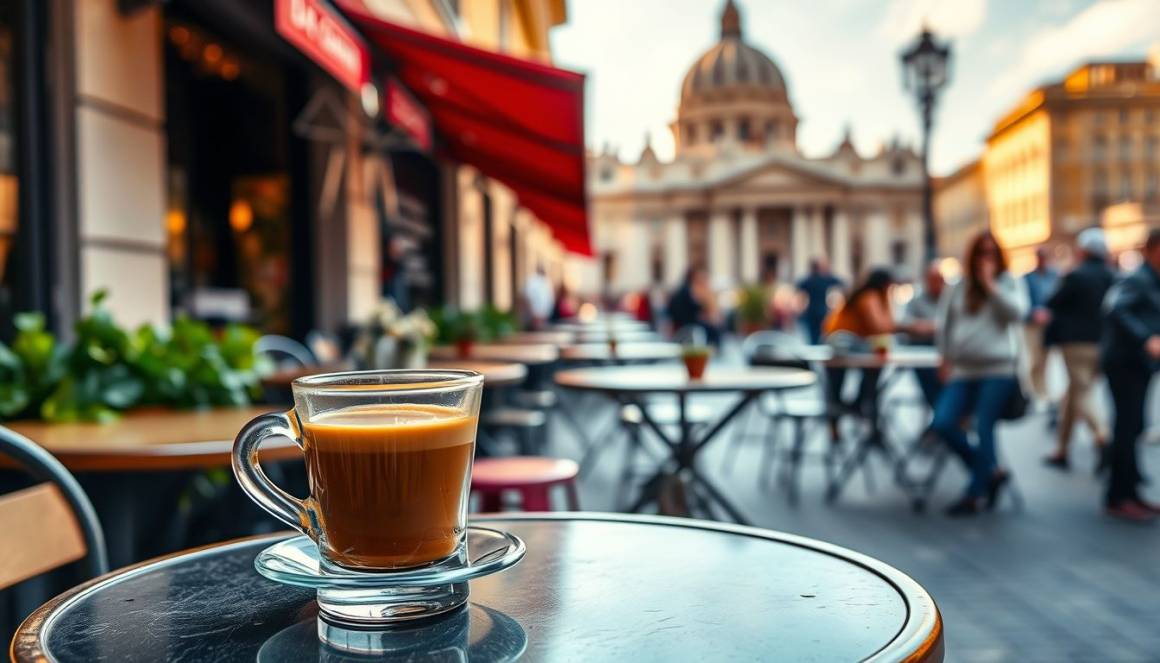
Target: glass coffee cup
column 388, row 455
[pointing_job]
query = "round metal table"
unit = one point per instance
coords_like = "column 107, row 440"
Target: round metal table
column 633, row 385
column 592, row 587
column 531, row 354
column 625, row 352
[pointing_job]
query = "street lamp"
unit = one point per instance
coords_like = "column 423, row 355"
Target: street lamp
column 926, row 71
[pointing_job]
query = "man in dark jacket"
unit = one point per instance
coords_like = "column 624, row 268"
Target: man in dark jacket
column 1076, row 329
column 1131, row 353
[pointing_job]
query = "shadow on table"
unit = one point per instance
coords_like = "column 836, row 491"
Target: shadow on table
column 475, row 633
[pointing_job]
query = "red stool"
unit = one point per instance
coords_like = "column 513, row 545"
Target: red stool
column 530, row 476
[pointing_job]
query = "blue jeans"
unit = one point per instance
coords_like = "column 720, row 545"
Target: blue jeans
column 985, row 398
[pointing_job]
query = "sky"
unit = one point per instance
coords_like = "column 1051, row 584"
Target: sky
column 840, row 60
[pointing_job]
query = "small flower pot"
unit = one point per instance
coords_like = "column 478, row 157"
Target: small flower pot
column 695, row 363
column 463, row 347
column 612, row 346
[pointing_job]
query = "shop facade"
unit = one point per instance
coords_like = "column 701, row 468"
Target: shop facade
column 231, row 160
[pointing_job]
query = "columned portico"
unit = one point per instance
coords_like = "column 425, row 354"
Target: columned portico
column 877, row 238
column 676, row 253
column 817, row 232
column 749, row 246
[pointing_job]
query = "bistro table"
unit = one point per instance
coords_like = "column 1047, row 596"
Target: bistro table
column 556, row 338
column 625, row 352
column 136, row 469
column 530, row 354
column 615, row 325
column 633, row 385
column 496, row 374
column 621, row 336
column 591, row 587
column 893, row 363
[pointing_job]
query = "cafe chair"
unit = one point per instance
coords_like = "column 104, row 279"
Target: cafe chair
column 530, row 477
column 324, row 347
column 803, row 409
column 48, row 525
column 285, row 352
column 525, row 426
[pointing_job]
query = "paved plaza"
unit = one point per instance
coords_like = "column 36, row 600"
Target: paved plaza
column 1054, row 581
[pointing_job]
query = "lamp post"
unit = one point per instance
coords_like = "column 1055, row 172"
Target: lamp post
column 925, row 72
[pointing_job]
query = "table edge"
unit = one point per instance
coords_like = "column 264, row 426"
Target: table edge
column 920, row 636
column 686, row 388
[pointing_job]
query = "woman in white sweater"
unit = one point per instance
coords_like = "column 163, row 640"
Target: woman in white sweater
column 976, row 334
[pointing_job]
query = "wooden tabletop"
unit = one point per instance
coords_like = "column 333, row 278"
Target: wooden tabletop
column 675, row 379
column 529, row 354
column 495, row 373
column 658, row 351
column 152, row 439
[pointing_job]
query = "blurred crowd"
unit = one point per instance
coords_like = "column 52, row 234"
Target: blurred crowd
column 993, row 329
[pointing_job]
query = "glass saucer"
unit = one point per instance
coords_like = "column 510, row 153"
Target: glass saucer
column 361, row 598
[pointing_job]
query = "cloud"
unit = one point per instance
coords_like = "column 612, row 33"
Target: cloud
column 1103, row 30
column 947, row 18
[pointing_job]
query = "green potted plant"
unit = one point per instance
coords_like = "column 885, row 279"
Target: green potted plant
column 752, row 309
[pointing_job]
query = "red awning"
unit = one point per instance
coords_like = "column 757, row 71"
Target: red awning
column 517, row 121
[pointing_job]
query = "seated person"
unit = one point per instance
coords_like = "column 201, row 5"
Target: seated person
column 865, row 314
column 919, row 316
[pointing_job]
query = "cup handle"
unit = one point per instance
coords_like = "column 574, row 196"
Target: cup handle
column 277, row 502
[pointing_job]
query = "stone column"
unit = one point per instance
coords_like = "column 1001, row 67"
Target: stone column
column 750, row 269
column 721, row 248
column 799, row 243
column 818, row 232
column 914, row 238
column 676, row 249
column 840, row 246
column 876, row 238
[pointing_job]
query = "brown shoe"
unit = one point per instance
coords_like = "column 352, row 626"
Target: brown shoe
column 1131, row 512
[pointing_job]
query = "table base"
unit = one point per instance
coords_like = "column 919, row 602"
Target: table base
column 375, row 607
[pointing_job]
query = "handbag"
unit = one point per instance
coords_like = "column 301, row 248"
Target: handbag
column 1017, row 403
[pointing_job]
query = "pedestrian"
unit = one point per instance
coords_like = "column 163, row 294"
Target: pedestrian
column 1076, row 329
column 1130, row 356
column 1040, row 283
column 816, row 288
column 919, row 317
column 694, row 305
column 539, row 300
column 976, row 335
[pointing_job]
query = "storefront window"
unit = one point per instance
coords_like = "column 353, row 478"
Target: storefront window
column 229, row 219
column 9, row 178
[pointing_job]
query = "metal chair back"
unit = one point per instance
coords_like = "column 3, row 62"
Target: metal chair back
column 285, row 351
column 46, row 499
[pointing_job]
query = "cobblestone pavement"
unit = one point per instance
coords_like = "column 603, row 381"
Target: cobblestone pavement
column 1053, row 581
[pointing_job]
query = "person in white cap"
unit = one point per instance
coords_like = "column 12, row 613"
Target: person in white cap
column 1076, row 325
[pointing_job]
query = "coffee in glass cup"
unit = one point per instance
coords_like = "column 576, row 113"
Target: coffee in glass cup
column 388, row 456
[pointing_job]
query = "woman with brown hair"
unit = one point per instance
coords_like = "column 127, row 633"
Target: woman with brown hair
column 976, row 335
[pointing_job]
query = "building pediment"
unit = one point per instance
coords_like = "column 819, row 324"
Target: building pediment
column 781, row 175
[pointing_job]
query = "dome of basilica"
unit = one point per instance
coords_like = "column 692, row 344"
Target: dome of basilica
column 731, row 63
column 734, row 94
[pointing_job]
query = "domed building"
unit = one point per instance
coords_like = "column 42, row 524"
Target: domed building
column 738, row 195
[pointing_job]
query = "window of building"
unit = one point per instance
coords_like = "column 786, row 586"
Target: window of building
column 1150, row 147
column 1098, row 118
column 1149, row 116
column 1123, row 116
column 898, row 166
column 1125, row 148
column 1125, row 186
column 1061, row 148
column 771, row 129
column 1152, row 186
column 716, row 130
column 690, row 134
column 899, row 252
column 1099, row 147
column 1100, row 181
column 606, row 173
column 743, row 131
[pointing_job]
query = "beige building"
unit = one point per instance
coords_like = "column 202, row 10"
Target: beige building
column 960, row 209
column 739, row 193
column 149, row 104
column 1069, row 150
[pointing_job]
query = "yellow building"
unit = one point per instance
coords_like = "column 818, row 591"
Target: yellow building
column 1070, row 149
column 960, row 208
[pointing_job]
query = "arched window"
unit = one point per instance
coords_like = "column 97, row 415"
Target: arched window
column 743, row 130
column 716, row 130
